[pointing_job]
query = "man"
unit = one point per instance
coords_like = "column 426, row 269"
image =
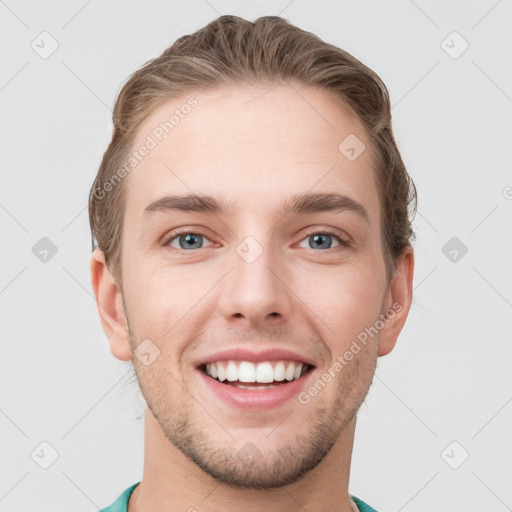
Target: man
column 254, row 259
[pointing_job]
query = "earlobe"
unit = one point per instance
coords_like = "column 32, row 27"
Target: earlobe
column 110, row 307
column 398, row 301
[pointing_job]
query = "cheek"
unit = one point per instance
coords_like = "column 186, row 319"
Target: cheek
column 345, row 302
column 163, row 300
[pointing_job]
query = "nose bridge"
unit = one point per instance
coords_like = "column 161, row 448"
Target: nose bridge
column 254, row 291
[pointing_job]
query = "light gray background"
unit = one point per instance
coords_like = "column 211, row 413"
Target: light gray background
column 448, row 378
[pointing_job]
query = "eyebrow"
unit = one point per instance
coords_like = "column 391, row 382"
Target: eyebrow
column 298, row 203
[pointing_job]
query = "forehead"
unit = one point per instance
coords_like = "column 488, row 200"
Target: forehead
column 252, row 146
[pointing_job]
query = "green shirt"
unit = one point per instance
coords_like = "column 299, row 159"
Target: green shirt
column 121, row 504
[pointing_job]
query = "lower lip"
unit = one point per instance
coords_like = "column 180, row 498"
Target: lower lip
column 256, row 399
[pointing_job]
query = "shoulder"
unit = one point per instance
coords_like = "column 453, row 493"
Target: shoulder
column 121, row 504
column 362, row 506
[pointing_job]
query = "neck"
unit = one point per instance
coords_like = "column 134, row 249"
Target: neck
column 171, row 482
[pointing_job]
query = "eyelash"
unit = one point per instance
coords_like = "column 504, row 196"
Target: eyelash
column 315, row 231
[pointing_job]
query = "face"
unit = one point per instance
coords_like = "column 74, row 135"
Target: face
column 246, row 297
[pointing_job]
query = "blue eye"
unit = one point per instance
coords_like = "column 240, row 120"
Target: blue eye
column 320, row 241
column 187, row 241
column 323, row 240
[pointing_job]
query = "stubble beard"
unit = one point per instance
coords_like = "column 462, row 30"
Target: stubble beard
column 248, row 467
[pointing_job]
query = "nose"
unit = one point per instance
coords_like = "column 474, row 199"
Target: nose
column 255, row 293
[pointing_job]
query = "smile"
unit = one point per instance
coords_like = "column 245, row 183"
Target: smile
column 255, row 386
column 262, row 375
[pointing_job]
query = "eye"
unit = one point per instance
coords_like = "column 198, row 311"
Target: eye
column 323, row 239
column 187, row 240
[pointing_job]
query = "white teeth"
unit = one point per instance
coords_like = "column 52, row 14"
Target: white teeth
column 221, row 372
column 242, row 386
column 290, row 371
column 231, row 372
column 246, row 372
column 264, row 372
column 279, row 371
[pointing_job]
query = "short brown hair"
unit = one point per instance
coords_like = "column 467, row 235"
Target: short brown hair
column 231, row 50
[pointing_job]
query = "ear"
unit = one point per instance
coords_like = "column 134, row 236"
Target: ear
column 109, row 301
column 397, row 301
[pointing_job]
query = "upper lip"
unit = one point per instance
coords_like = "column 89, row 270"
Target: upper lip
column 243, row 354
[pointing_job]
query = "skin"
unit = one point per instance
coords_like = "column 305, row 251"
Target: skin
column 253, row 147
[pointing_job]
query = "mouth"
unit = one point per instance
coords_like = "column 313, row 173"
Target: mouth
column 251, row 376
column 253, row 381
